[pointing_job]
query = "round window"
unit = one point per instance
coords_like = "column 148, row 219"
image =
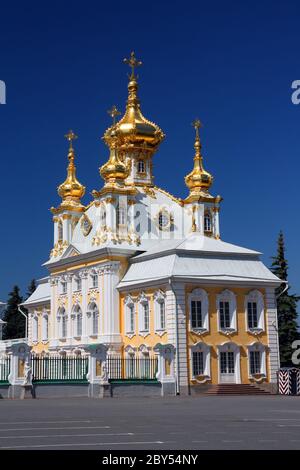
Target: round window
column 163, row 220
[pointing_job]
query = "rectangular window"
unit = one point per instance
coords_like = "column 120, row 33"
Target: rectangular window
column 95, row 322
column 224, row 315
column 196, row 314
column 64, row 287
column 255, row 362
column 63, row 326
column 146, row 317
column 94, row 280
column 78, row 284
column 252, row 315
column 198, row 363
column 162, row 316
column 130, row 319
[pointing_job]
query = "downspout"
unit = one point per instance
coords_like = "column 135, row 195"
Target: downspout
column 277, row 296
column 26, row 321
column 176, row 341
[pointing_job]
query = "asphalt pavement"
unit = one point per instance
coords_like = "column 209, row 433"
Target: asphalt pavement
column 218, row 422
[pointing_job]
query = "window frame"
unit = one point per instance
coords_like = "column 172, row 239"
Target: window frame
column 261, row 348
column 129, row 310
column 230, row 297
column 143, row 302
column 159, row 300
column 207, row 216
column 257, row 297
column 199, row 295
column 205, row 349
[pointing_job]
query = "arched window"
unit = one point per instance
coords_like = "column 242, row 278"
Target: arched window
column 257, row 359
column 207, row 222
column 160, row 311
column 129, row 316
column 60, row 230
column 226, row 306
column 141, row 166
column 93, row 314
column 35, row 328
column 198, row 305
column 63, row 322
column 45, row 327
column 144, row 314
column 254, row 307
column 121, row 216
column 77, row 320
column 200, row 361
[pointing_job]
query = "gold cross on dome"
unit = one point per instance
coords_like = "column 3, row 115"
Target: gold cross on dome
column 196, row 125
column 113, row 113
column 70, row 136
column 132, row 62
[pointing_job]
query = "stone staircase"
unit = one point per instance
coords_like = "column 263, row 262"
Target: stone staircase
column 235, row 389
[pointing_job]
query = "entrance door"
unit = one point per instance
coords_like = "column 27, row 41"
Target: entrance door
column 227, row 371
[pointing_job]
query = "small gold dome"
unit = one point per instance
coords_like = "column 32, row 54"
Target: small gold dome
column 198, row 180
column 133, row 128
column 71, row 188
column 114, row 169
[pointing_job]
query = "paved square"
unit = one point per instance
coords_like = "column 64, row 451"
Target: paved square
column 271, row 422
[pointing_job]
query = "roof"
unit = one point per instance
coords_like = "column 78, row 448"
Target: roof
column 41, row 293
column 198, row 258
column 199, row 243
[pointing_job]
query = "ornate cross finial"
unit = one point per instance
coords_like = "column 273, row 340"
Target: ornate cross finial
column 113, row 113
column 70, row 136
column 196, row 125
column 132, row 62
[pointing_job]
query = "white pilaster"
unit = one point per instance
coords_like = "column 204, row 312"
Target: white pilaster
column 110, row 273
column 272, row 331
column 176, row 326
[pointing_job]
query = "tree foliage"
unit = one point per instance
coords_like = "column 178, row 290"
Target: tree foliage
column 286, row 306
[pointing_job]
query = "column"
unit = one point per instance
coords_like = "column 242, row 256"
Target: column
column 84, row 293
column 176, row 326
column 111, row 333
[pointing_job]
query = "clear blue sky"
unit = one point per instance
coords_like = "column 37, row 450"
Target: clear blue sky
column 229, row 63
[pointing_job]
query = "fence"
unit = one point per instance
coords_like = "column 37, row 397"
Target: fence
column 4, row 369
column 59, row 369
column 75, row 369
column 132, row 369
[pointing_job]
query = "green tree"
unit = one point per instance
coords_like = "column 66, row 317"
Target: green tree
column 31, row 288
column 286, row 306
column 15, row 326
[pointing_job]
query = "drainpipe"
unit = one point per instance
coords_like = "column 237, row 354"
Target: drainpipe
column 26, row 321
column 276, row 326
column 176, row 340
column 284, row 290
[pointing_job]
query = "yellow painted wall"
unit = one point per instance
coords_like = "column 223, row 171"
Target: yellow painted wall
column 214, row 337
column 137, row 340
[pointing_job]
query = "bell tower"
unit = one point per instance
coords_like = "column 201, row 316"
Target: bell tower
column 201, row 206
column 67, row 214
column 137, row 137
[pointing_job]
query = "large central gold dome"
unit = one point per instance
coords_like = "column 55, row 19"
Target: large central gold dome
column 133, row 128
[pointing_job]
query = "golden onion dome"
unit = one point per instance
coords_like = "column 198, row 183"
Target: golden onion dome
column 133, row 128
column 114, row 169
column 71, row 188
column 198, row 180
